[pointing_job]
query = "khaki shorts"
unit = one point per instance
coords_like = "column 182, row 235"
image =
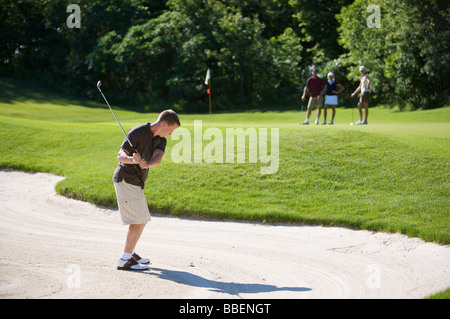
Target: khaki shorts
column 315, row 102
column 132, row 203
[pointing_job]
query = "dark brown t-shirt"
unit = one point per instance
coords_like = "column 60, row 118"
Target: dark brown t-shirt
column 145, row 143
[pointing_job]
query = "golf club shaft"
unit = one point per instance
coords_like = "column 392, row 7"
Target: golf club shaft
column 137, row 171
column 352, row 109
column 98, row 86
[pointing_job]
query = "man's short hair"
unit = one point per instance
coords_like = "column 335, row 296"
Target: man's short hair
column 170, row 117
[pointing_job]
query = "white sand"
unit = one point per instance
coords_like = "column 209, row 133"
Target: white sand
column 54, row 247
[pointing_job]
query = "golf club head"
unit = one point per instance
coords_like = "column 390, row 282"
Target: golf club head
column 99, row 83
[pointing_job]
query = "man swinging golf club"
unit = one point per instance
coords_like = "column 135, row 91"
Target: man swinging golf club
column 147, row 148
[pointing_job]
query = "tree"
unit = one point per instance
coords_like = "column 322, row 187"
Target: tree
column 404, row 54
column 319, row 26
column 21, row 34
column 166, row 57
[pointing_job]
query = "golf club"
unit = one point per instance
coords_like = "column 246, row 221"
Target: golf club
column 301, row 112
column 352, row 123
column 301, row 100
column 99, row 83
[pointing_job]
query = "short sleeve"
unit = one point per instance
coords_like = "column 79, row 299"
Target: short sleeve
column 161, row 144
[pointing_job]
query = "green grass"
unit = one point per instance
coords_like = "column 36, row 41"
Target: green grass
column 441, row 295
column 391, row 175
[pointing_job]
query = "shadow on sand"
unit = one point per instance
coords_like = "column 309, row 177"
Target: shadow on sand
column 231, row 288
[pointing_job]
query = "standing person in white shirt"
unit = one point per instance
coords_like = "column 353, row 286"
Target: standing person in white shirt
column 364, row 86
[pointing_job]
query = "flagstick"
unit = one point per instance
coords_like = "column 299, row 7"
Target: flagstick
column 209, row 85
column 208, row 81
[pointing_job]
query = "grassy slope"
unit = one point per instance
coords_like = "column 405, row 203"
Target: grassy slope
column 392, row 175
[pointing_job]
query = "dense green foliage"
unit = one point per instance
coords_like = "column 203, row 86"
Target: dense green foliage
column 155, row 54
column 408, row 54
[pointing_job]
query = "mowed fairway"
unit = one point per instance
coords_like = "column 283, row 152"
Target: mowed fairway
column 391, row 175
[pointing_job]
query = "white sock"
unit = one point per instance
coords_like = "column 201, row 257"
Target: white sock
column 126, row 256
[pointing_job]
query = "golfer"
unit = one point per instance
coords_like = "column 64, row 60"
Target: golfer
column 317, row 89
column 331, row 99
column 129, row 180
column 364, row 86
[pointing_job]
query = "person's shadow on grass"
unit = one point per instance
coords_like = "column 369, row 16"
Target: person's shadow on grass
column 231, row 288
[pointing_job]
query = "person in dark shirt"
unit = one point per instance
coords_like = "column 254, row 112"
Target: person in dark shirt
column 129, row 179
column 317, row 88
column 331, row 99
